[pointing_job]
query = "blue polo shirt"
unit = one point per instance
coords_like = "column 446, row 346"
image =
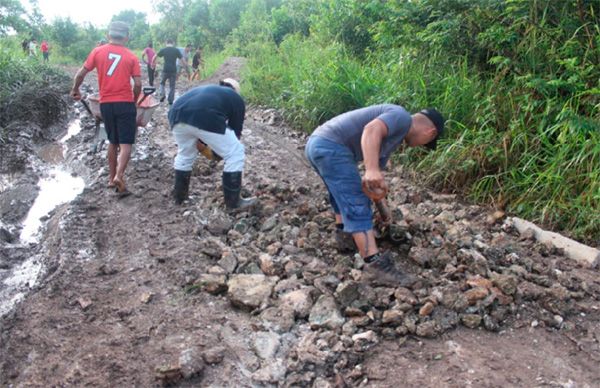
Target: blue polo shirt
column 211, row 108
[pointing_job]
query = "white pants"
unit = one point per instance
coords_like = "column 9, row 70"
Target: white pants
column 225, row 145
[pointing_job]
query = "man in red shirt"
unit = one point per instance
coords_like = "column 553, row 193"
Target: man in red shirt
column 45, row 50
column 116, row 66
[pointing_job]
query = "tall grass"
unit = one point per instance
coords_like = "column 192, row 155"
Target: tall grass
column 538, row 156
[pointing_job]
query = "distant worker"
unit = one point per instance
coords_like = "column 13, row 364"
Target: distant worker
column 169, row 71
column 45, row 48
column 371, row 135
column 116, row 66
column 210, row 116
column 33, row 48
column 183, row 63
column 148, row 56
column 197, row 63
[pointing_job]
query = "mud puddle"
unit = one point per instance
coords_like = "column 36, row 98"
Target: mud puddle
column 56, row 186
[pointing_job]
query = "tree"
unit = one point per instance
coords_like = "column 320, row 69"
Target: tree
column 139, row 30
column 11, row 17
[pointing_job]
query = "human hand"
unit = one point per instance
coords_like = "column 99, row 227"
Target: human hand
column 75, row 94
column 373, row 185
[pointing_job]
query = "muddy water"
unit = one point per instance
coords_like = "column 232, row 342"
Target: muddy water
column 57, row 186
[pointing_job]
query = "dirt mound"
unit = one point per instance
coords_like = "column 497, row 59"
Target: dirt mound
column 140, row 291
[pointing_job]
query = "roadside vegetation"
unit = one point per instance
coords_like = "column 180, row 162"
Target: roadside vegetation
column 518, row 81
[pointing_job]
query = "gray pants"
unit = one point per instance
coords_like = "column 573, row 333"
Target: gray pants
column 171, row 77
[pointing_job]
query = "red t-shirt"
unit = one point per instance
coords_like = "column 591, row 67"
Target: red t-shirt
column 115, row 65
column 44, row 47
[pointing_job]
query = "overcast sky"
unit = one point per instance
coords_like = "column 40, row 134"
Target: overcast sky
column 97, row 12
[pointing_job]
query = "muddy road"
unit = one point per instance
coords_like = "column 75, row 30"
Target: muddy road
column 140, row 292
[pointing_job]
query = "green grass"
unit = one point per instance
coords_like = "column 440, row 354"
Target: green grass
column 516, row 143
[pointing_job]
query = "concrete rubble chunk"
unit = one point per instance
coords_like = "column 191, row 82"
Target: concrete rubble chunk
column 250, row 291
column 299, row 301
column 266, row 344
column 325, row 314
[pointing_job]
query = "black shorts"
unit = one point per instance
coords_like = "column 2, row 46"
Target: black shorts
column 119, row 121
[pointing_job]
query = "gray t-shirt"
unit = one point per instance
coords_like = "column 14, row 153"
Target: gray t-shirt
column 347, row 129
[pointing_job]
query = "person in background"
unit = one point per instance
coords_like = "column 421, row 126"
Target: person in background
column 25, row 46
column 45, row 48
column 148, row 56
column 33, row 48
column 197, row 64
column 116, row 66
column 183, row 63
column 169, row 71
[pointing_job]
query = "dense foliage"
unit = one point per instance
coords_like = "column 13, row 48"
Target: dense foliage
column 517, row 79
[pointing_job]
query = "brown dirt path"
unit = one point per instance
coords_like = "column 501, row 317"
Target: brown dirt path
column 125, row 299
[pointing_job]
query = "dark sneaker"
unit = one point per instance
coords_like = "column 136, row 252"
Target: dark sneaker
column 345, row 242
column 382, row 271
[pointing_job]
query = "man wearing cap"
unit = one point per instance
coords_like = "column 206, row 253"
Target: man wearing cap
column 213, row 116
column 371, row 135
column 116, row 66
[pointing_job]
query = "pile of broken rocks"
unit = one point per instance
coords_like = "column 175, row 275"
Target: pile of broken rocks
column 315, row 316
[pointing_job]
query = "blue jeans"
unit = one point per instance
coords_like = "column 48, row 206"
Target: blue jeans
column 336, row 165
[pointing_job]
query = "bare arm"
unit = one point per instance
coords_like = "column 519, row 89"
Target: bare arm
column 370, row 143
column 137, row 87
column 77, row 81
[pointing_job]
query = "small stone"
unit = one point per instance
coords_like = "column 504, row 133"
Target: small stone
column 478, row 281
column 214, row 355
column 365, row 340
column 278, row 320
column 490, row 323
column 347, row 292
column 146, row 297
column 191, row 363
column 428, row 329
column 228, row 262
column 426, row 309
column 270, row 265
column 325, row 314
column 274, row 248
column 405, row 295
column 392, row 317
column 471, row 320
column 213, row 284
column 506, row 283
column 266, row 344
column 475, row 294
column 84, row 303
column 212, row 247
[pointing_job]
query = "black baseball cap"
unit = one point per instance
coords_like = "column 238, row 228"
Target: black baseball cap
column 438, row 121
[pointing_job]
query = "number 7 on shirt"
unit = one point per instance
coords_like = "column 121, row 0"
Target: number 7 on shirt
column 116, row 59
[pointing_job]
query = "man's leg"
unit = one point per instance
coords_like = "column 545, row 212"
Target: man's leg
column 172, row 78
column 186, row 137
column 163, row 80
column 229, row 147
column 124, row 156
column 111, row 155
column 150, row 75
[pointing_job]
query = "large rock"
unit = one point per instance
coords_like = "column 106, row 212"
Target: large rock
column 213, row 283
column 299, row 301
column 325, row 313
column 279, row 320
column 250, row 291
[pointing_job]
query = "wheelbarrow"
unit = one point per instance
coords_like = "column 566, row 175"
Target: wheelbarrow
column 145, row 108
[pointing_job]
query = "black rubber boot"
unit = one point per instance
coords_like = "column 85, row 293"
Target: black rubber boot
column 182, row 186
column 232, row 187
